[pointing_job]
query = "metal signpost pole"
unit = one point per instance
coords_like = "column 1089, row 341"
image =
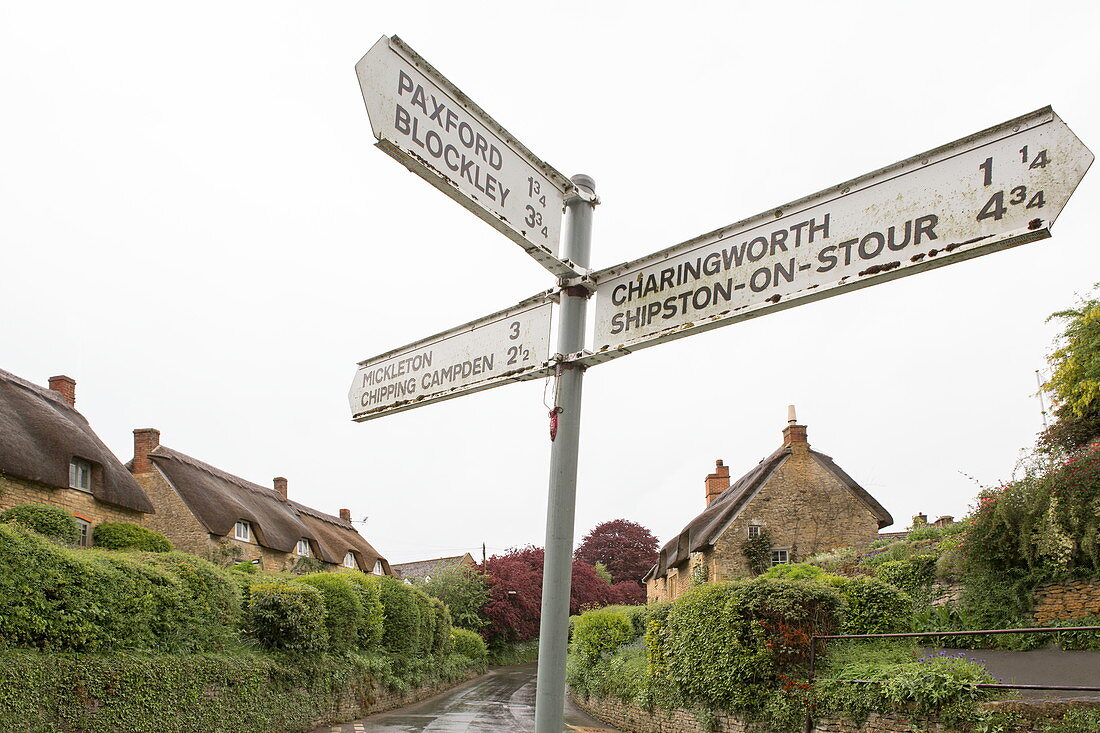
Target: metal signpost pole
column 562, row 501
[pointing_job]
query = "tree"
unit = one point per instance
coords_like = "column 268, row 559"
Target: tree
column 465, row 591
column 627, row 549
column 1074, row 385
column 514, row 608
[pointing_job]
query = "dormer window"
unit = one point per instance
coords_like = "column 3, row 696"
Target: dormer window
column 242, row 530
column 349, row 559
column 378, row 568
column 303, row 547
column 80, row 474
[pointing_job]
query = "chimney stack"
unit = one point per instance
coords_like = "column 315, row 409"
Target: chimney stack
column 64, row 386
column 146, row 440
column 794, row 433
column 919, row 520
column 345, row 514
column 280, row 486
column 718, row 481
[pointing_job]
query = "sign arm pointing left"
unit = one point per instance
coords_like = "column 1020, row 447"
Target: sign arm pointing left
column 511, row 345
column 431, row 127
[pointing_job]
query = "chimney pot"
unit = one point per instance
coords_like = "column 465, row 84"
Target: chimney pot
column 64, row 386
column 717, row 482
column 146, row 440
column 345, row 514
column 280, row 486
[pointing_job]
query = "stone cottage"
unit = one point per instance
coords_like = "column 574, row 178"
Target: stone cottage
column 209, row 512
column 799, row 498
column 49, row 454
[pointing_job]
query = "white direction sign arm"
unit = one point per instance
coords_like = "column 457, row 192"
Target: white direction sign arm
column 996, row 189
column 432, row 128
column 511, row 345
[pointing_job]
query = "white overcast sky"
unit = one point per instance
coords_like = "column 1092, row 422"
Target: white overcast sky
column 196, row 226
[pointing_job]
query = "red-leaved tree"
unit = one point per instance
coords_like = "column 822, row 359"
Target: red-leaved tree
column 627, row 549
column 515, row 593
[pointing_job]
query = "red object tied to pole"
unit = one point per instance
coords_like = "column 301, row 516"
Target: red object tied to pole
column 554, row 423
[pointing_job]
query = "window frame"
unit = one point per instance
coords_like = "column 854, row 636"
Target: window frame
column 85, row 529
column 378, row 569
column 786, row 551
column 247, row 526
column 303, row 543
column 349, row 555
column 754, row 535
column 80, row 468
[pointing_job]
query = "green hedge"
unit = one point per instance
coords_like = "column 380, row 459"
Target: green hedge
column 343, row 610
column 370, row 596
column 47, row 520
column 286, row 615
column 127, row 536
column 469, row 644
column 199, row 693
column 76, row 600
column 402, row 614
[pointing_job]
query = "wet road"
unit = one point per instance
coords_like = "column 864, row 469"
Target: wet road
column 499, row 702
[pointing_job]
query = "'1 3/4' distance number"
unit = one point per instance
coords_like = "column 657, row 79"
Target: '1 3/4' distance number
column 534, row 217
column 995, row 208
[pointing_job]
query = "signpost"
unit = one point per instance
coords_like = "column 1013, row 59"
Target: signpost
column 509, row 346
column 996, row 189
column 428, row 125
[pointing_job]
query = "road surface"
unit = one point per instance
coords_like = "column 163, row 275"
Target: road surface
column 502, row 701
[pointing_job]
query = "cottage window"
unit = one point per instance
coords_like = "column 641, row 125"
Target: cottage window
column 80, row 474
column 85, row 532
column 378, row 568
column 242, row 530
column 349, row 559
column 754, row 531
column 303, row 548
column 780, row 557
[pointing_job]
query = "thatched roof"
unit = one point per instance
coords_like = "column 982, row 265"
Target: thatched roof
column 702, row 532
column 40, row 434
column 219, row 499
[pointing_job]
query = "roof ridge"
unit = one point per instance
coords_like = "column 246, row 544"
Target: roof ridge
column 216, row 472
column 44, row 392
column 323, row 516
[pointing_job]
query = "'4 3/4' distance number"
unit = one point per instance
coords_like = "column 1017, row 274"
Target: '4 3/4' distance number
column 995, row 208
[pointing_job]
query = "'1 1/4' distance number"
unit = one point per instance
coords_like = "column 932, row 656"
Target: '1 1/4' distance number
column 995, row 208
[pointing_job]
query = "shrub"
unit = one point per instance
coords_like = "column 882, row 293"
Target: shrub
column 44, row 519
column 795, row 571
column 127, row 536
column 373, row 623
column 596, row 633
column 465, row 591
column 873, row 606
column 914, row 575
column 402, row 614
column 343, row 609
column 74, row 600
column 286, row 615
column 469, row 644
